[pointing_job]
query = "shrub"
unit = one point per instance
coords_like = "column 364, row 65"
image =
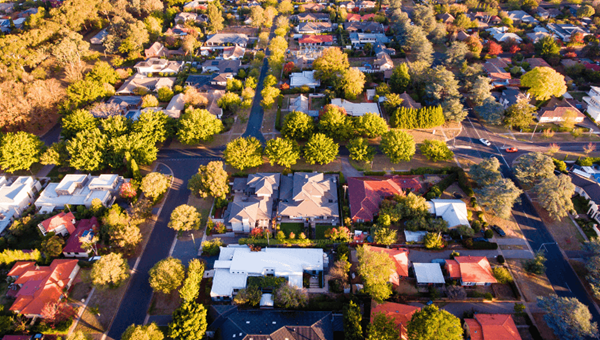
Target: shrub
column 500, row 259
column 502, row 275
column 488, row 233
column 476, row 225
column 212, row 248
column 488, row 296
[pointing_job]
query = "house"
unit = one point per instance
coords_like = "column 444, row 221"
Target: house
column 357, row 17
column 471, row 270
column 232, row 53
column 300, row 104
column 366, row 193
column 356, row 109
column 593, row 101
column 522, row 17
column 128, row 106
column 156, row 65
column 7, row 7
column 158, row 50
column 536, row 36
column 461, row 36
column 316, row 40
column 98, row 39
column 304, row 57
column 495, row 69
column 556, row 109
column 252, row 203
column 349, row 5
column 222, row 66
column 237, row 263
column 79, row 189
column 511, row 96
column 315, row 27
column 565, row 31
column 399, row 313
column 589, row 188
column 178, row 31
column 491, row 327
column 378, row 47
column 309, row 196
column 383, row 62
column 401, row 261
column 364, row 27
column 429, row 274
column 61, row 224
column 86, row 228
column 415, row 236
column 313, row 17
column 304, row 78
column 408, row 102
column 195, row 5
column 501, row 34
column 453, row 211
column 359, row 39
column 446, row 18
column 15, row 197
column 176, row 106
column 222, row 40
column 241, row 324
column 147, row 84
column 546, row 13
column 537, row 62
column 37, row 286
column 184, row 17
column 365, row 4
column 313, row 7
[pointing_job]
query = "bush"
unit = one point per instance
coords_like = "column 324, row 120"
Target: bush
column 536, row 265
column 476, row 225
column 488, row 233
column 212, row 248
column 500, row 259
column 488, row 296
column 266, row 282
column 463, row 183
column 560, row 165
column 502, row 275
column 470, row 244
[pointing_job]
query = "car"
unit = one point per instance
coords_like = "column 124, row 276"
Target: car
column 94, row 258
column 511, row 150
column 480, row 239
column 485, row 142
column 498, row 230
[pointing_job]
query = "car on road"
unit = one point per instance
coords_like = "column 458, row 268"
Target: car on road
column 480, row 239
column 498, row 230
column 511, row 150
column 485, row 142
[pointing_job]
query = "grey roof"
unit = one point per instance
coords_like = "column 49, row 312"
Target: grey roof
column 512, row 95
column 202, row 82
column 308, row 194
column 314, row 26
column 364, row 26
column 228, row 38
column 313, row 16
column 428, row 273
column 224, row 66
column 591, row 187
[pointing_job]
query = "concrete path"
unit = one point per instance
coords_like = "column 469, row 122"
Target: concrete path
column 347, row 169
column 44, row 171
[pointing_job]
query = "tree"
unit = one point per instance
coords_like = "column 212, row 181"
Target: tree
column 320, row 149
column 197, row 125
column 568, row 318
column 433, row 241
column 335, row 123
column 398, row 145
column 491, row 111
column 191, row 285
column 554, row 194
column 569, row 119
column 424, row 16
column 485, row 172
column 480, row 91
column 436, row 150
column 371, row 125
column 189, row 321
column 423, row 118
column 166, row 275
column 152, row 125
column 585, row 11
column 110, row 271
column 547, row 47
column 330, row 64
column 385, row 236
column 353, row 82
column 19, row 150
column 494, row 48
column 283, row 152
column 297, row 125
column 456, row 53
column 257, row 14
column 375, row 268
column 352, row 322
column 533, row 167
column 250, row 295
column 400, row 79
column 544, row 82
column 79, row 335
column 77, row 121
column 53, row 246
column 154, row 184
column 69, row 51
column 475, row 45
column 215, row 18
column 431, row 323
column 289, row 297
column 520, row 114
column 383, row 328
column 184, row 218
column 439, row 33
column 285, row 7
column 243, row 153
column 165, row 94
column 88, row 150
column 148, row 332
column 536, row 265
column 211, row 180
column 499, row 196
column 419, row 48
column 57, row 154
column 443, row 89
column 360, row 150
column 269, row 94
column 149, row 101
column 103, row 73
column 229, row 102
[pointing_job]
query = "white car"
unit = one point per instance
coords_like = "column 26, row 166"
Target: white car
column 485, row 142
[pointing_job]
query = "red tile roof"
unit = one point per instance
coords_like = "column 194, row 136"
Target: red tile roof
column 315, row 39
column 453, row 269
column 358, row 17
column 366, row 193
column 400, row 257
column 537, row 62
column 73, row 244
column 558, row 108
column 493, row 327
column 475, row 269
column 594, row 67
column 401, row 314
column 61, row 219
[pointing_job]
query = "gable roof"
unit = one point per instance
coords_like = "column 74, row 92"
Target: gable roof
column 313, row 16
column 493, row 327
column 400, row 257
column 558, row 108
column 56, row 221
column 453, row 211
column 474, row 269
column 428, row 273
column 315, row 39
column 408, row 102
column 308, row 194
column 591, row 187
column 228, row 38
column 400, row 313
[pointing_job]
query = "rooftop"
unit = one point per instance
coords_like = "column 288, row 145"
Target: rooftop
column 429, row 273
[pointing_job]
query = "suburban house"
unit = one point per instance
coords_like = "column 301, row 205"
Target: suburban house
column 453, row 211
column 252, row 205
column 365, row 4
column 511, row 96
column 408, row 102
column 15, row 197
column 359, row 39
column 491, row 327
column 313, row 17
column 471, row 270
column 565, row 31
column 203, row 82
column 399, row 313
column 501, row 34
column 61, row 224
column 593, row 101
column 522, row 17
column 221, row 40
column 304, row 78
column 446, row 18
column 222, row 66
column 316, row 40
column 546, row 13
column 232, row 53
column 314, row 27
column 357, row 17
column 37, row 286
column 148, row 84
column 233, row 323
column 128, row 106
column 159, row 50
column 176, row 106
column 349, row 5
column 79, row 189
column 236, row 263
column 536, row 62
column 401, row 261
column 156, row 65
column 536, row 36
column 429, row 275
column 588, row 187
column 379, row 47
column 83, row 229
column 364, row 27
column 366, row 193
column 183, row 17
column 356, row 109
column 99, row 38
column 383, row 62
column 309, row 196
column 556, row 109
column 301, row 104
column 313, row 7
column 495, row 69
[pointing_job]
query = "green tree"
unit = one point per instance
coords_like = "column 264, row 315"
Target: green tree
column 269, row 94
column 385, row 236
column 360, row 150
column 88, row 150
column 383, row 328
column 229, row 102
column 148, row 332
column 436, row 150
column 456, row 53
column 398, row 145
column 197, row 125
column 332, row 63
column 283, row 152
column 184, row 218
column 136, row 36
column 554, row 194
column 443, row 88
column 491, row 111
column 400, row 79
column 375, row 268
column 103, row 73
column 53, row 246
column 165, row 94
column 154, row 184
column 431, row 323
column 250, row 295
column 211, row 180
column 544, row 82
column 547, row 47
column 79, row 335
column 433, row 241
column 110, row 271
column 19, row 150
column 424, row 118
column 352, row 82
column 297, row 125
column 191, row 285
column 585, row 11
column 285, row 7
column 77, row 121
column 371, row 125
column 56, row 154
column 352, row 322
column 320, row 149
column 536, row 265
column 189, row 321
column 424, row 16
column 289, row 297
column 532, row 167
column 148, row 101
column 486, row 172
column 499, row 196
column 335, row 123
column 243, row 153
column 480, row 91
column 152, row 125
column 215, row 18
column 84, row 92
column 166, row 275
column 520, row 115
column 568, row 318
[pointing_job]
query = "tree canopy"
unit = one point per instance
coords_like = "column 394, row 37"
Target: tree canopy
column 139, row 332
column 184, row 218
column 398, row 145
column 110, row 271
column 297, row 125
column 189, row 321
column 19, row 150
column 167, row 275
column 431, row 323
column 436, row 150
column 320, row 149
column 211, row 180
column 330, row 64
column 533, row 167
column 568, row 318
column 283, row 152
column 197, row 125
column 554, row 194
column 242, row 153
column 375, row 268
column 544, row 83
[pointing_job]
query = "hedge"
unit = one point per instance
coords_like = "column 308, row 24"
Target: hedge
column 469, row 244
column 261, row 242
column 588, row 161
column 409, row 118
column 463, row 183
column 266, row 282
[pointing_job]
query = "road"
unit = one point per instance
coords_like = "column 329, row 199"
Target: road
column 559, row 272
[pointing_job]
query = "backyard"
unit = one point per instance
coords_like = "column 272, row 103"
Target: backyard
column 295, row 228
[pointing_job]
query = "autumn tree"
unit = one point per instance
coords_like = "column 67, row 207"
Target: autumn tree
column 554, row 194
column 544, row 82
column 197, row 125
column 166, row 275
column 494, row 48
column 375, row 268
column 154, row 184
column 19, row 150
column 184, row 218
column 398, row 145
column 110, row 271
column 211, row 180
column 283, row 152
column 297, row 125
column 332, row 63
column 243, row 153
column 320, row 149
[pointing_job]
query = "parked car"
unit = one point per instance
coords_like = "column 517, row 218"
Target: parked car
column 485, row 142
column 498, row 230
column 480, row 239
column 511, row 150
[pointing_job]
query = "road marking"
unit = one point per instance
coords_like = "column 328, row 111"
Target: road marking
column 569, row 288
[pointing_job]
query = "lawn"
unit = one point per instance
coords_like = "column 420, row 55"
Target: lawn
column 531, row 285
column 320, row 231
column 288, row 228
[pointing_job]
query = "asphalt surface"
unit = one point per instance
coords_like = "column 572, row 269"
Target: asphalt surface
column 53, row 135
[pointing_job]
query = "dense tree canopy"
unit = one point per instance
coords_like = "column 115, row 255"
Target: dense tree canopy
column 398, row 145
column 544, row 82
column 242, row 153
column 375, row 268
column 211, row 180
column 320, row 149
column 431, row 323
column 110, row 271
column 19, row 150
column 533, row 167
column 166, row 275
column 297, row 125
column 197, row 125
column 568, row 318
column 554, row 194
column 283, row 152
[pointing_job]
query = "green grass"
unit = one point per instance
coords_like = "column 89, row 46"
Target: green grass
column 296, row 228
column 320, row 231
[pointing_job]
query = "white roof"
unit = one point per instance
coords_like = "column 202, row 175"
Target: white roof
column 176, row 103
column 103, row 182
column 16, row 192
column 267, row 300
column 452, row 211
column 414, row 236
column 428, row 273
column 304, row 78
column 356, row 109
column 78, row 195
